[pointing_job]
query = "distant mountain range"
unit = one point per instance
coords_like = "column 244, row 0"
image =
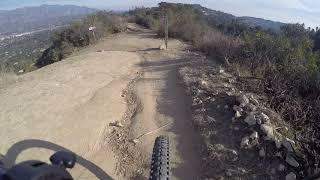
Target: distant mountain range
column 218, row 17
column 36, row 18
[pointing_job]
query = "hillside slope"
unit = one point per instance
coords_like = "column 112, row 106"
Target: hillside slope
column 216, row 17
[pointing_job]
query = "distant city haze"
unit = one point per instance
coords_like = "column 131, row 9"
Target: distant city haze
column 288, row 11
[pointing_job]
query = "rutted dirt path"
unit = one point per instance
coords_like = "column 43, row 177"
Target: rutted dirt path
column 162, row 108
column 164, row 111
column 72, row 103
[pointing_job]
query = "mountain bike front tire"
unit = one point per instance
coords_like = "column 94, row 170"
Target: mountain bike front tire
column 160, row 163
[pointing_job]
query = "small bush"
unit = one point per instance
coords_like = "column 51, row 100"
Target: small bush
column 146, row 17
column 184, row 22
column 7, row 75
column 218, row 45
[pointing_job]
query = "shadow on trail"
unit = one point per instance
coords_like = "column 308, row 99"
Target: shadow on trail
column 19, row 147
column 175, row 104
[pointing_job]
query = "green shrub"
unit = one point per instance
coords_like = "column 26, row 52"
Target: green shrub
column 185, row 22
column 147, row 17
column 78, row 35
column 287, row 63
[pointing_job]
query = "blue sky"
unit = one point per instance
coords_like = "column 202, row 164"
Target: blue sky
column 302, row 11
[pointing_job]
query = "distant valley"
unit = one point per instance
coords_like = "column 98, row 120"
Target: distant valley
column 36, row 18
column 26, row 32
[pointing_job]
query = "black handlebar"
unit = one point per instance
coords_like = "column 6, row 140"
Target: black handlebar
column 37, row 170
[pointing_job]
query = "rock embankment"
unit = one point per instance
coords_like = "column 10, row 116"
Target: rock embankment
column 243, row 136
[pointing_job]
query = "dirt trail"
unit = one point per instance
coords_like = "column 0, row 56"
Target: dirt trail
column 165, row 105
column 72, row 103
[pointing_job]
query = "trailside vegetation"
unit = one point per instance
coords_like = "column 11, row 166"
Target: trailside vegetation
column 78, row 35
column 286, row 63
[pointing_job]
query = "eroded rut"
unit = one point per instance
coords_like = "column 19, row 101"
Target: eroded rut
column 162, row 108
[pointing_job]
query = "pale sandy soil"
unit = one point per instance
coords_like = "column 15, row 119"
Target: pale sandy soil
column 70, row 104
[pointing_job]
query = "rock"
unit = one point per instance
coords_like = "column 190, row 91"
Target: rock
column 251, row 107
column 254, row 100
column 277, row 143
column 290, row 140
column 232, row 155
column 235, row 172
column 21, row 71
column 291, row 161
column 135, row 141
column 237, row 108
column 262, row 153
column 287, row 144
column 225, row 85
column 241, row 170
column 237, row 114
column 259, row 121
column 116, row 124
column 278, row 154
column 286, row 128
column 196, row 101
column 281, row 167
column 251, row 119
column 265, row 119
column 162, row 47
column 245, row 142
column 291, row 176
column 268, row 130
column 218, row 106
column 204, row 84
column 226, row 106
column 207, row 98
column 236, row 128
column 221, row 70
column 243, row 100
column 254, row 135
column 231, row 81
column 199, row 92
column 229, row 93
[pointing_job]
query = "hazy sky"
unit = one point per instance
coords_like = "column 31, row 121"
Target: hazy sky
column 302, row 11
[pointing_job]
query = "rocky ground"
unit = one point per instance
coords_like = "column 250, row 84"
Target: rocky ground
column 243, row 138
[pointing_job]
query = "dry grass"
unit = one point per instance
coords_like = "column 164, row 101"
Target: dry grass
column 7, row 76
column 218, row 45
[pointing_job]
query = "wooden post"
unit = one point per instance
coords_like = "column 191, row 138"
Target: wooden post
column 94, row 35
column 166, row 29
